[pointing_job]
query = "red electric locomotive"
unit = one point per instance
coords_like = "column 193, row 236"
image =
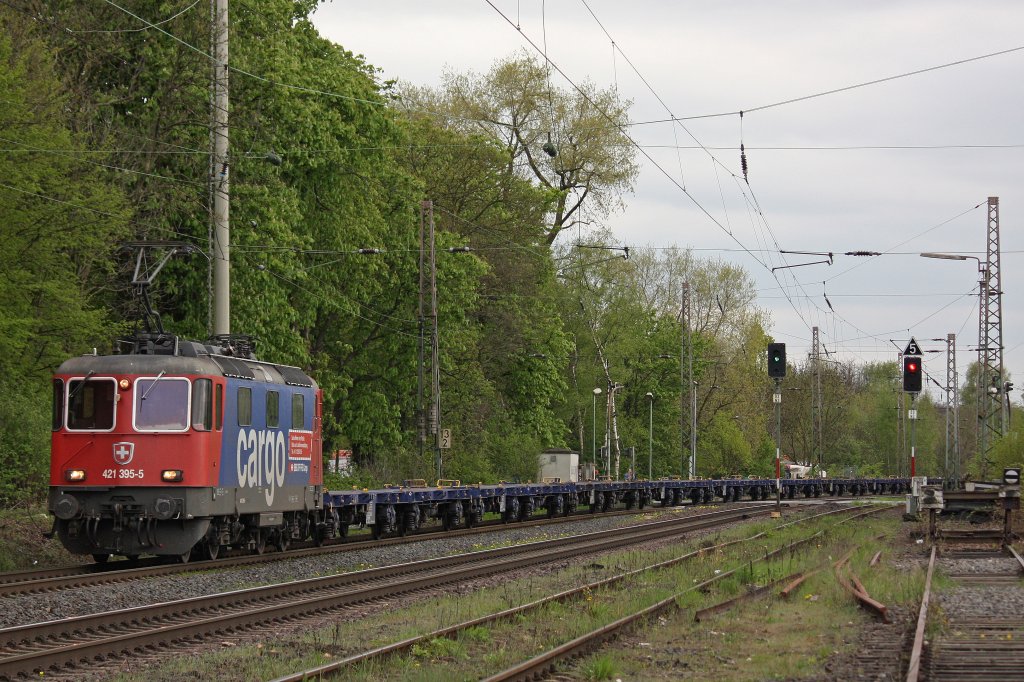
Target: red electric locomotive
column 181, row 446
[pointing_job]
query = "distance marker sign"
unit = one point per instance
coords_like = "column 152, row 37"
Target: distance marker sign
column 912, row 347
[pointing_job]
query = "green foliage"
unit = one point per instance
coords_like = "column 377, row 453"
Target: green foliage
column 599, row 668
column 440, row 648
column 62, row 219
column 516, row 107
column 1008, row 451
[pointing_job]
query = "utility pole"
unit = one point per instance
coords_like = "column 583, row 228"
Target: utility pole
column 650, row 437
column 421, row 417
column 220, row 173
column 687, row 411
column 431, row 422
column 435, row 355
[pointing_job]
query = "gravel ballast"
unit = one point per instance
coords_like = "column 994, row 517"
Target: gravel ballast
column 34, row 608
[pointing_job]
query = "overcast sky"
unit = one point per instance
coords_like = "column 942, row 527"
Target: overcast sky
column 952, row 138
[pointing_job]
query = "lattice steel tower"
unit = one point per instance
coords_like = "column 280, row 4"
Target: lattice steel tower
column 952, row 467
column 990, row 341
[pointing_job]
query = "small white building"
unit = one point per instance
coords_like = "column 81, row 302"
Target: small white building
column 558, row 466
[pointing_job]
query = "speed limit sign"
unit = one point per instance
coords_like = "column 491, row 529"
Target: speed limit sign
column 446, row 439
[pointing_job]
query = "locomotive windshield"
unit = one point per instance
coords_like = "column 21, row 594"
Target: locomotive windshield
column 161, row 404
column 91, row 404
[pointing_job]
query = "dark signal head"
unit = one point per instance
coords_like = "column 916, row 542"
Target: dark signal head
column 912, row 373
column 776, row 360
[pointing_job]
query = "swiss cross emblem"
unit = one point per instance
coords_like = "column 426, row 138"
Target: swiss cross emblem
column 123, row 452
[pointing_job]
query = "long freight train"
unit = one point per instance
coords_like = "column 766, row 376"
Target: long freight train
column 182, row 447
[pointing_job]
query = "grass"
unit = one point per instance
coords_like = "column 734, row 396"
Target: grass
column 745, row 641
column 23, row 544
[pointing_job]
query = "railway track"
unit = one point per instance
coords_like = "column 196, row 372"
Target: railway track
column 546, row 662
column 337, row 667
column 71, row 577
column 57, row 645
column 982, row 618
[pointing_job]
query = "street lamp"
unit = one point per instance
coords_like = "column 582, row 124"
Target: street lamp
column 650, row 438
column 597, row 392
column 982, row 336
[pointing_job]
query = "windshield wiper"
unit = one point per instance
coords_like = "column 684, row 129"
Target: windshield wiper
column 153, row 385
column 80, row 385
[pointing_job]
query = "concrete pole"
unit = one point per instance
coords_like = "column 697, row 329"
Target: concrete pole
column 221, row 176
column 650, row 439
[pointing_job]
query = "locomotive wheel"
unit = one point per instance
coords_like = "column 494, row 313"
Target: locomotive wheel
column 212, row 550
column 101, row 558
column 260, row 543
column 184, row 557
column 284, row 540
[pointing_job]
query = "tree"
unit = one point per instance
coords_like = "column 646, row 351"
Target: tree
column 62, row 215
column 623, row 317
column 570, row 142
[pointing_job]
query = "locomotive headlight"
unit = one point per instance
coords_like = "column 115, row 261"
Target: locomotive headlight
column 124, row 384
column 172, row 475
column 74, row 475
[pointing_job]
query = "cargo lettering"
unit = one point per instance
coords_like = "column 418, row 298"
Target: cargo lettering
column 260, row 460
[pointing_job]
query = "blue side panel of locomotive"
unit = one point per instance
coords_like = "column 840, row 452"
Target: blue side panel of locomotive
column 261, row 452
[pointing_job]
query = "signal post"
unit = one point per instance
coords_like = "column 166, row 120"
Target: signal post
column 777, row 371
column 912, row 373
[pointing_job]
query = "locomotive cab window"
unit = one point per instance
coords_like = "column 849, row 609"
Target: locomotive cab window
column 298, row 411
column 91, row 404
column 245, row 407
column 58, row 404
column 162, row 404
column 202, row 405
column 219, row 406
column 273, row 409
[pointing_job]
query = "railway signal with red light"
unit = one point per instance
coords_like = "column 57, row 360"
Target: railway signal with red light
column 912, row 374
